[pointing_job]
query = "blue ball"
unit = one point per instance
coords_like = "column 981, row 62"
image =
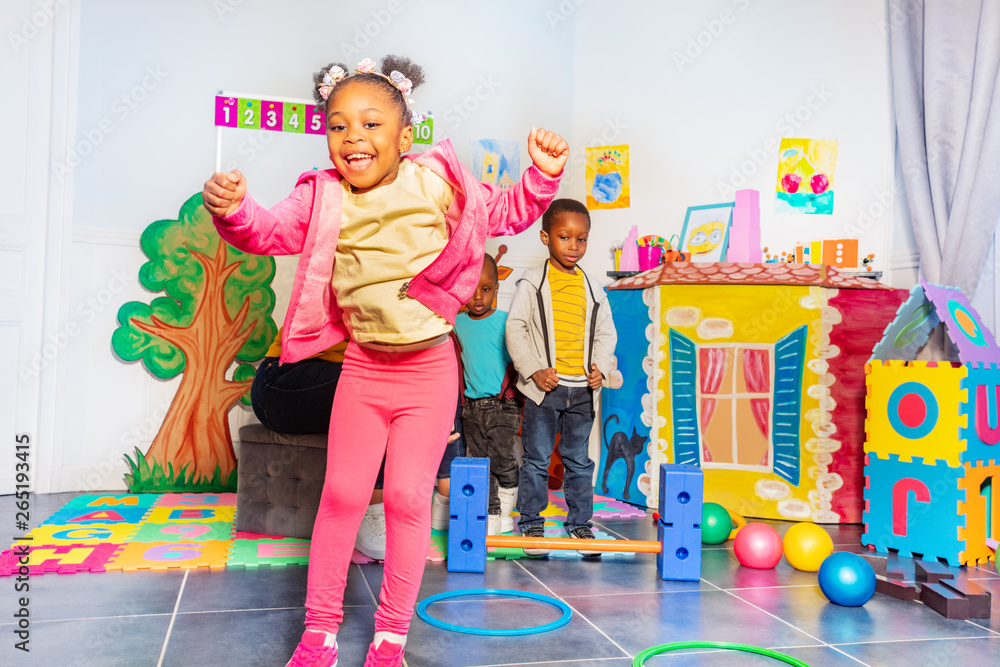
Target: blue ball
column 847, row 579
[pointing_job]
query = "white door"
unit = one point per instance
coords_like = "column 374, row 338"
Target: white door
column 26, row 79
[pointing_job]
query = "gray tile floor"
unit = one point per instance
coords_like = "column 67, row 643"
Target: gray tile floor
column 247, row 617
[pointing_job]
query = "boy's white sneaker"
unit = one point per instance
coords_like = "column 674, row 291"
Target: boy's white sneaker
column 494, row 526
column 440, row 516
column 371, row 533
column 508, row 501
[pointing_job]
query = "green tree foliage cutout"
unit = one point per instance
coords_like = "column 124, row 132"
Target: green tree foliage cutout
column 217, row 310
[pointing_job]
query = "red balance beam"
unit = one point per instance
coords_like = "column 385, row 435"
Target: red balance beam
column 572, row 544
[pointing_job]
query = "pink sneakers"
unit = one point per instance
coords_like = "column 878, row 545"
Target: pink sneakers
column 312, row 651
column 387, row 654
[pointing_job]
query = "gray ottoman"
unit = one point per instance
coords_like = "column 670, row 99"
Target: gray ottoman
column 279, row 482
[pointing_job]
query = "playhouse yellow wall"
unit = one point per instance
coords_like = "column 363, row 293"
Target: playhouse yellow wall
column 713, row 314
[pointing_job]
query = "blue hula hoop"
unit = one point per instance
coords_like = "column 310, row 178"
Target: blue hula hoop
column 567, row 613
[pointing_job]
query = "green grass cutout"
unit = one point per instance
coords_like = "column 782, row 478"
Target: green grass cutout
column 143, row 479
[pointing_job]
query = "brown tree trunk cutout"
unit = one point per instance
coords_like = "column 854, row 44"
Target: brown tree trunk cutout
column 195, row 430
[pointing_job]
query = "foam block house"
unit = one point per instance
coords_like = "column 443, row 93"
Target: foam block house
column 755, row 373
column 932, row 452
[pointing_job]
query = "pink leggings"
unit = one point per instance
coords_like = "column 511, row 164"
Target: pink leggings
column 399, row 404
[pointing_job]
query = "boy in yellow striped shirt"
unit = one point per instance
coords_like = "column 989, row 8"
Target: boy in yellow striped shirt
column 561, row 338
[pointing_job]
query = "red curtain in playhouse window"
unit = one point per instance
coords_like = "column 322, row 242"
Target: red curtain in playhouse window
column 713, row 371
column 757, row 375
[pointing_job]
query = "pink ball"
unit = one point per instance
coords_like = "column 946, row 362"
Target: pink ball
column 757, row 545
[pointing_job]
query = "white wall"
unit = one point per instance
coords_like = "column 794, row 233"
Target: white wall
column 702, row 93
column 601, row 72
column 145, row 141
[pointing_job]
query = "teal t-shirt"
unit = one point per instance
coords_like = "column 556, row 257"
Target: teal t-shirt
column 484, row 353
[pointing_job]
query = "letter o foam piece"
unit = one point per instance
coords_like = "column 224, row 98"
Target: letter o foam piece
column 641, row 658
column 567, row 613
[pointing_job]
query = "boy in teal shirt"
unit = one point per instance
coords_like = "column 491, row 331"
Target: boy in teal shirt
column 490, row 414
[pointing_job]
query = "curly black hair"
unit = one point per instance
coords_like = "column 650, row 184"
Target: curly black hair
column 390, row 63
column 560, row 206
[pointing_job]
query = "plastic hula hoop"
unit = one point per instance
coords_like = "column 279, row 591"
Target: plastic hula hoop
column 567, row 613
column 640, row 659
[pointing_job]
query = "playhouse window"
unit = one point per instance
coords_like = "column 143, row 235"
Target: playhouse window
column 734, row 399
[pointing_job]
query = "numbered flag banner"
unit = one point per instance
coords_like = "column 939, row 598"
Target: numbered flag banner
column 283, row 115
column 288, row 115
column 225, row 111
column 270, row 115
column 315, row 120
column 423, row 133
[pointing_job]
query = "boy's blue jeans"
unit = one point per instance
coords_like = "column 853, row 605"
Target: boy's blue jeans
column 568, row 411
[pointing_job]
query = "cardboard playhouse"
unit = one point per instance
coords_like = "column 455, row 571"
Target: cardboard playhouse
column 932, row 452
column 755, row 373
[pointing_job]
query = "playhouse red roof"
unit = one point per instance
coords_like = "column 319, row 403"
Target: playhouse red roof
column 733, row 273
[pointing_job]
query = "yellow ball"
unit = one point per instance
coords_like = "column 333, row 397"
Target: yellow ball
column 807, row 546
column 738, row 522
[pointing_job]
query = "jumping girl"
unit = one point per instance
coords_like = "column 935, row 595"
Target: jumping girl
column 390, row 247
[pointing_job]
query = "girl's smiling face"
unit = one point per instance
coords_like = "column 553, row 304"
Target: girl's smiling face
column 365, row 135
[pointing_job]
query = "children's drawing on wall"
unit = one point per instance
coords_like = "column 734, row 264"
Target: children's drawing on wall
column 607, row 177
column 806, row 176
column 217, row 310
column 496, row 162
column 705, row 236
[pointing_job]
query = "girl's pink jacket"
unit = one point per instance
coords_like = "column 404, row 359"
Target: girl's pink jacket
column 308, row 222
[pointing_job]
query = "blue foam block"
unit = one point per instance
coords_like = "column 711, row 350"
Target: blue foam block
column 470, row 489
column 681, row 495
column 680, row 552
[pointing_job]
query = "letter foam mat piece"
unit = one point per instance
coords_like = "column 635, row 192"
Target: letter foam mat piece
column 914, row 411
column 195, row 500
column 273, row 553
column 975, row 532
column 171, row 555
column 982, row 414
column 54, row 535
column 183, row 532
column 63, row 559
column 931, row 528
column 112, row 500
column 974, row 341
column 187, row 515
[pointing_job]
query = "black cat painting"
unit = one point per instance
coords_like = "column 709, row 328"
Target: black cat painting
column 622, row 447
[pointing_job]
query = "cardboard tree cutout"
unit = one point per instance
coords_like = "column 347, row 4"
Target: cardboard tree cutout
column 217, row 310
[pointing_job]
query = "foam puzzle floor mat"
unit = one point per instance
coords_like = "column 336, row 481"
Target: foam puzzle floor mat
column 100, row 532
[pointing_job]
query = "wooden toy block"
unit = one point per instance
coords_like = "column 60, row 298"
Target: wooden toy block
column 901, row 569
column 897, row 589
column 931, row 572
column 979, row 598
column 878, row 563
column 841, row 253
column 945, row 601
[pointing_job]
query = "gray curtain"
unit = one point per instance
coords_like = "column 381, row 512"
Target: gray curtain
column 945, row 64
